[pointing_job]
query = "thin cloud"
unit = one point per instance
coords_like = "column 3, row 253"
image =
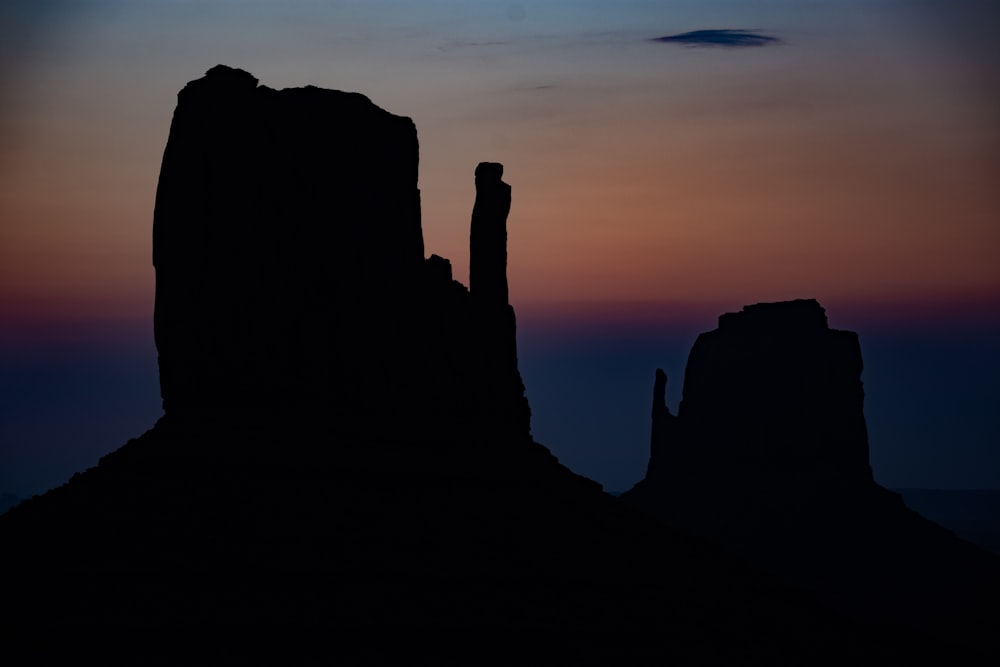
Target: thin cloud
column 726, row 38
column 459, row 44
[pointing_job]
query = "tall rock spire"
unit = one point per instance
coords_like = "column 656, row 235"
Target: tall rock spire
column 502, row 398
column 488, row 236
column 661, row 436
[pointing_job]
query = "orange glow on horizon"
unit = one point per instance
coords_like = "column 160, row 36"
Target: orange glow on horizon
column 641, row 173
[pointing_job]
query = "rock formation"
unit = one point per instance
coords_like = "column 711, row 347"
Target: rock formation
column 488, row 238
column 768, row 455
column 494, row 317
column 290, row 269
column 776, row 395
column 285, row 236
column 345, row 451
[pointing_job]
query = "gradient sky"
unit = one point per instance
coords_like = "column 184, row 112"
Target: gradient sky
column 655, row 185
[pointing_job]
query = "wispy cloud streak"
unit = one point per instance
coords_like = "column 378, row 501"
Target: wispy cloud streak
column 726, row 38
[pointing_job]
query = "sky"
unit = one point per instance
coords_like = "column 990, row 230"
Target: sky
column 850, row 154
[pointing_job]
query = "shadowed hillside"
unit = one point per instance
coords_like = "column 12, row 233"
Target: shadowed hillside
column 973, row 515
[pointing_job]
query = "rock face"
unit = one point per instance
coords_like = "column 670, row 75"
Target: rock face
column 768, row 455
column 488, row 238
column 290, row 268
column 776, row 395
column 494, row 317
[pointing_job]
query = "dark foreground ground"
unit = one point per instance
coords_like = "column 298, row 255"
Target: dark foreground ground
column 210, row 543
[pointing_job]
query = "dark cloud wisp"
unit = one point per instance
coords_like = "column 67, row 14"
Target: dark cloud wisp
column 724, row 38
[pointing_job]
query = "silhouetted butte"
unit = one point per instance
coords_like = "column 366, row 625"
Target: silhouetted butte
column 768, row 455
column 345, row 450
column 290, row 270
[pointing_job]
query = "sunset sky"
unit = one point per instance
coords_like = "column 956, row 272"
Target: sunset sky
column 855, row 159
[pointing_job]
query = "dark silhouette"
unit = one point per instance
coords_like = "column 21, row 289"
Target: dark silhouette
column 290, row 270
column 775, row 395
column 768, row 454
column 488, row 238
column 345, row 448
